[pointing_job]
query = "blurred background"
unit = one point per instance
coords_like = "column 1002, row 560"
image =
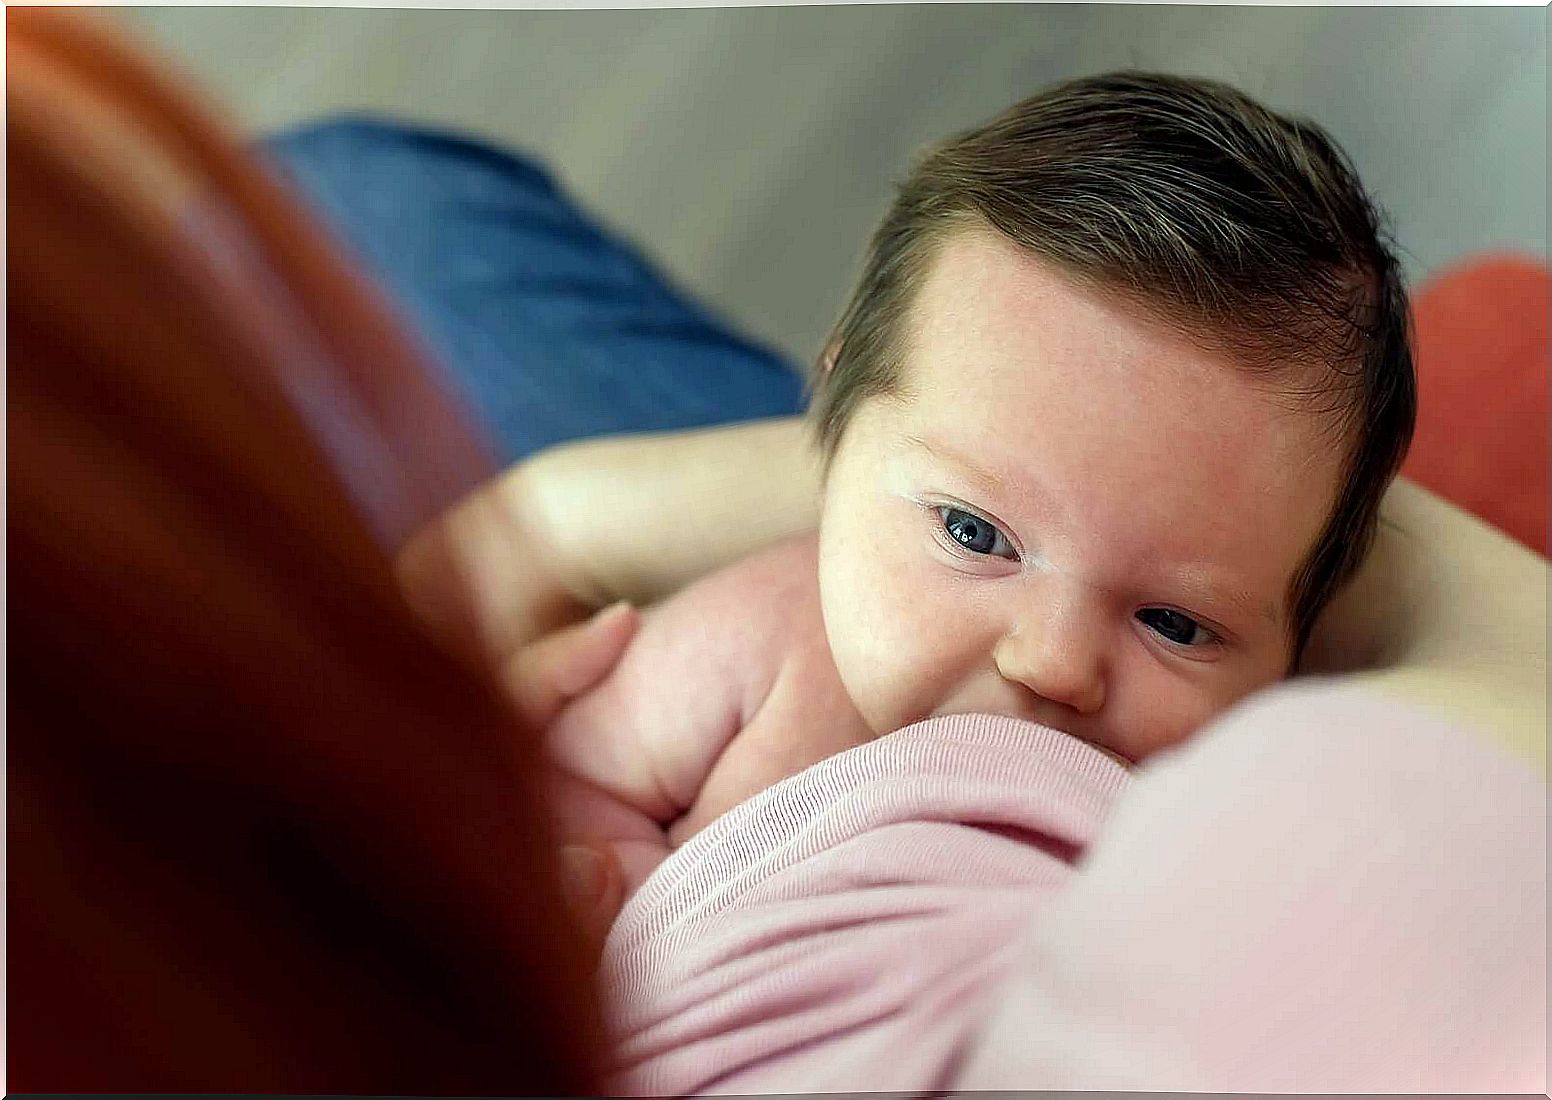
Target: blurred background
column 751, row 150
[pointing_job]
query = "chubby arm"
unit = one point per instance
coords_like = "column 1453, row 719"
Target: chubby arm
column 727, row 687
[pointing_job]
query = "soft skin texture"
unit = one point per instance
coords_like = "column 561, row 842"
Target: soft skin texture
column 1127, row 472
column 726, row 688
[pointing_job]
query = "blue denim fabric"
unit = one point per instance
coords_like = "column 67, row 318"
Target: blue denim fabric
column 550, row 328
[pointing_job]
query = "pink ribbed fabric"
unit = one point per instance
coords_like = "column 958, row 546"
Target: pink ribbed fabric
column 1322, row 892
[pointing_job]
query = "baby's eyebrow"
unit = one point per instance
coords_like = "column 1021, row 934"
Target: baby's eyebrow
column 944, row 453
column 1271, row 612
column 1247, row 603
column 1207, row 585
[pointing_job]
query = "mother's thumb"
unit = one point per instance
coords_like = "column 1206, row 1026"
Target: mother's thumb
column 544, row 676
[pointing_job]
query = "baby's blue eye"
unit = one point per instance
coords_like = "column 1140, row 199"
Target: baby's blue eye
column 1178, row 628
column 975, row 534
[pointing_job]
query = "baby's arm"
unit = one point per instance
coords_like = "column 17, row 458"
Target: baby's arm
column 727, row 687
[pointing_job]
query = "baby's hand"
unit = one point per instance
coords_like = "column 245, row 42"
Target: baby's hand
column 798, row 712
column 727, row 687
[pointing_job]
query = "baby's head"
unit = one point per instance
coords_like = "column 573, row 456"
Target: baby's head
column 1109, row 416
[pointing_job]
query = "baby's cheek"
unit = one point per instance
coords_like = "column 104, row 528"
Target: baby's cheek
column 854, row 646
column 1164, row 714
column 894, row 667
column 1142, row 730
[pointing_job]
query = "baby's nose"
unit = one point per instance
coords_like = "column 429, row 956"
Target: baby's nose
column 1055, row 652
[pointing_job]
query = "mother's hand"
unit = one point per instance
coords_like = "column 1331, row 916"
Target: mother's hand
column 541, row 678
column 498, row 595
column 486, row 580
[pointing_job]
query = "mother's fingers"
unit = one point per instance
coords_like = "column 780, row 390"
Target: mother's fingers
column 547, row 674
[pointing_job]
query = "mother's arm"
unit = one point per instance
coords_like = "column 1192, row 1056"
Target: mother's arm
column 632, row 517
column 1447, row 612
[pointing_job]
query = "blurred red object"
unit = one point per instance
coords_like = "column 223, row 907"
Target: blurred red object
column 1482, row 366
column 266, row 834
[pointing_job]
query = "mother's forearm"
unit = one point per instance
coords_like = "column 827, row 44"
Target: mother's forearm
column 585, row 524
column 637, row 517
column 1447, row 612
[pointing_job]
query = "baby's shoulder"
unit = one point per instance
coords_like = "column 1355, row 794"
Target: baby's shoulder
column 748, row 617
column 777, row 583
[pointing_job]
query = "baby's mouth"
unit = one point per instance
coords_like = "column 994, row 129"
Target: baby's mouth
column 1125, row 761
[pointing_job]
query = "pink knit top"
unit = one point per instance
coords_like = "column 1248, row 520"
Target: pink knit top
column 1321, row 892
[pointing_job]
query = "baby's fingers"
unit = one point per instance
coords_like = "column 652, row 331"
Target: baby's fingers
column 547, row 674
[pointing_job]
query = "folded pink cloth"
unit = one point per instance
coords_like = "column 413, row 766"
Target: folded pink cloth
column 1322, row 892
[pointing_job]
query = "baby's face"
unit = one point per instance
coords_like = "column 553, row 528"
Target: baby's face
column 1067, row 514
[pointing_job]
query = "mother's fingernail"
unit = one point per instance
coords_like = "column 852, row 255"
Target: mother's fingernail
column 611, row 614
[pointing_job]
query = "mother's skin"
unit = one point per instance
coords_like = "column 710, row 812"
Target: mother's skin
column 1447, row 612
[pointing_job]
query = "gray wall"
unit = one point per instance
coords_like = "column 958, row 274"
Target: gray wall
column 751, row 149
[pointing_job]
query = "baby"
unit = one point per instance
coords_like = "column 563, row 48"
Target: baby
column 1105, row 424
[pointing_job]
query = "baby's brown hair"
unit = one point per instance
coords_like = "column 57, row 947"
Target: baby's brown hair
column 1246, row 230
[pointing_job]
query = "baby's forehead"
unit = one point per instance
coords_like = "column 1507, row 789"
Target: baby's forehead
column 973, row 266
column 992, row 322
column 1012, row 362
